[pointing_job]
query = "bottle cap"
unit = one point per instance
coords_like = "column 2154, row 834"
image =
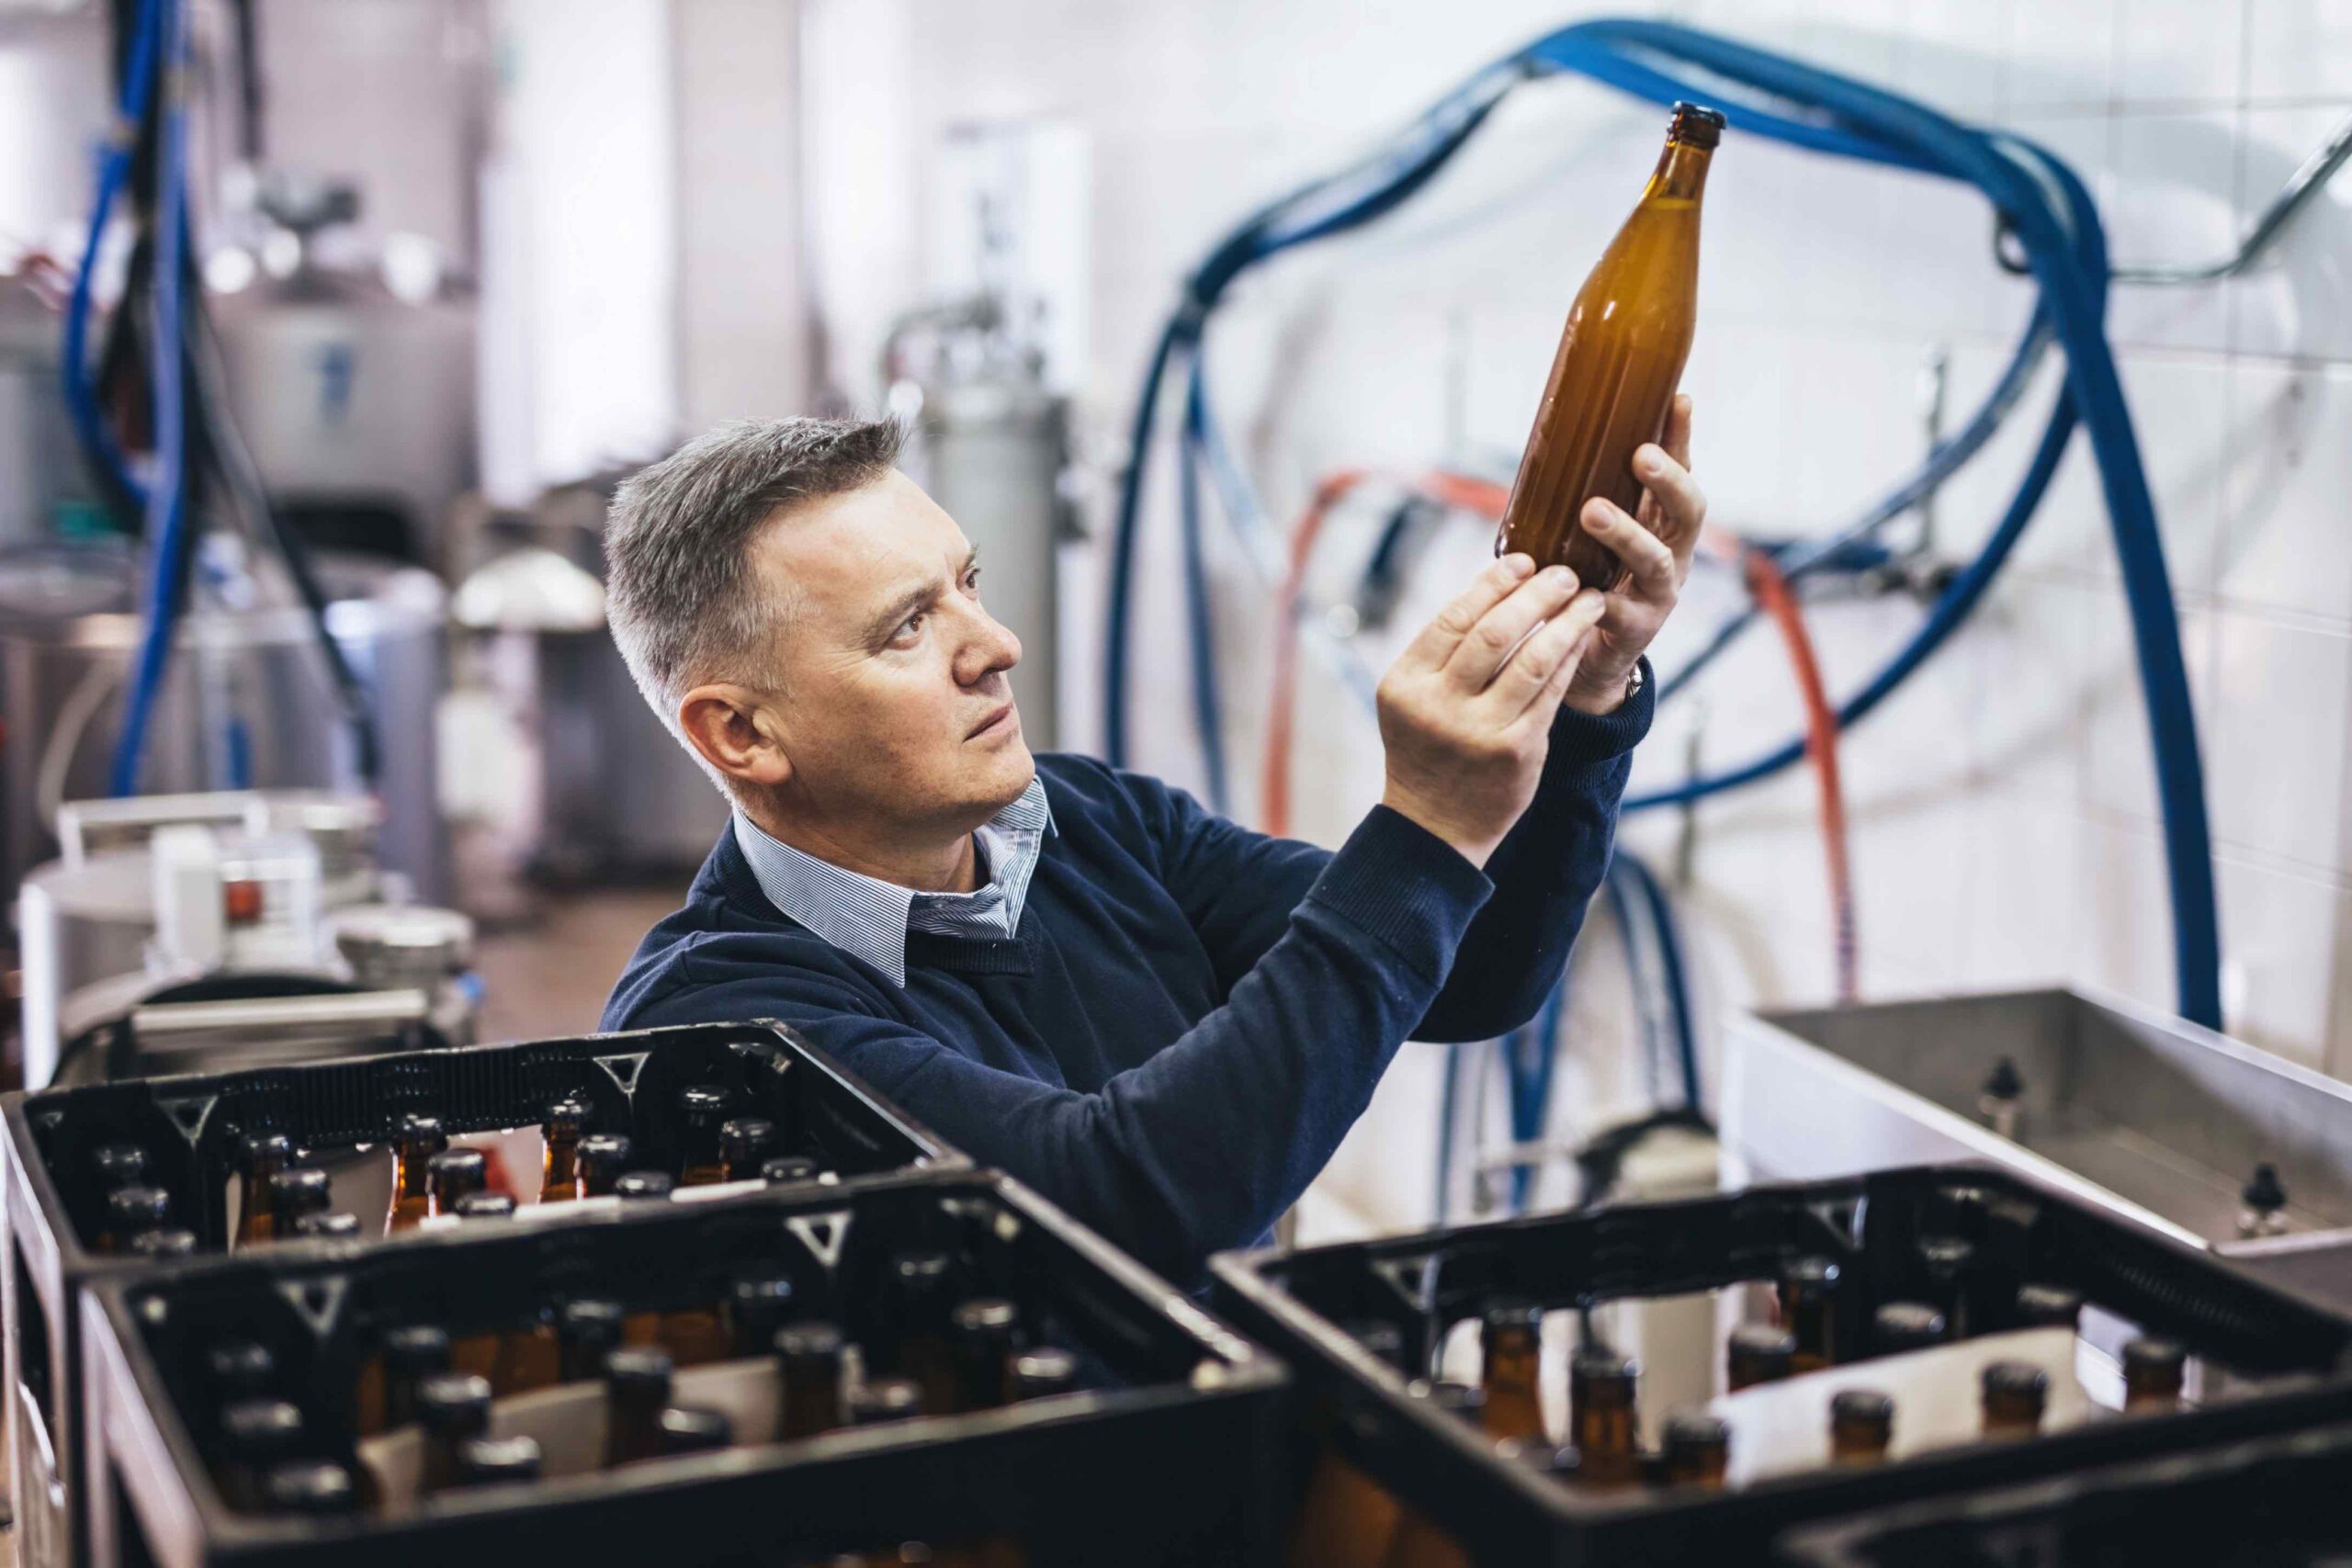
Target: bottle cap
column 645, row 1184
column 989, row 1316
column 1694, row 123
column 1864, row 1407
column 788, row 1168
column 1599, row 1364
column 483, row 1460
column 416, row 1348
column 486, row 1206
column 567, row 1116
column 421, row 1134
column 761, row 1301
column 339, row 1226
column 453, row 1402
column 137, row 1208
column 692, row 1429
column 885, row 1399
column 1946, row 1257
column 309, row 1486
column 1761, row 1350
column 1691, row 1433
column 1048, row 1370
column 259, row 1429
column 462, row 1169
column 1504, row 1315
column 809, row 1349
column 2151, row 1355
column 1906, row 1325
column 239, row 1368
column 118, row 1165
column 1810, row 1273
column 2041, row 1306
column 742, row 1138
column 589, row 1320
column 611, row 1149
column 639, row 1370
column 702, row 1103
column 919, row 1273
column 264, row 1150
column 1544, row 1458
column 2014, row 1380
column 294, row 1193
column 160, row 1246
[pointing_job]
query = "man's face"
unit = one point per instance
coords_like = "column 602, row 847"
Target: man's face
column 890, row 679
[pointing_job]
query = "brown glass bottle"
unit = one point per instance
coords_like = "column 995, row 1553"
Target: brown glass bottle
column 135, row 1211
column 1862, row 1427
column 637, row 1390
column 256, row 1435
column 692, row 1429
column 2048, row 1307
column 295, row 1194
column 1900, row 1327
column 386, row 1394
column 1950, row 1266
column 492, row 1461
column 1602, row 1416
column 603, row 1157
column 451, row 1406
column 1698, row 1450
column 744, row 1145
column 559, row 1160
column 1809, row 1310
column 2014, row 1396
column 915, row 1310
column 1346, row 1516
column 1512, row 1335
column 1420, row 1541
column 262, row 1156
column 117, row 1165
column 1620, row 359
column 587, row 1330
column 451, row 1177
column 529, row 1356
column 808, row 1356
column 885, row 1399
column 701, row 1107
column 1757, row 1352
column 983, row 1332
column 2154, row 1370
column 757, row 1306
column 418, row 1140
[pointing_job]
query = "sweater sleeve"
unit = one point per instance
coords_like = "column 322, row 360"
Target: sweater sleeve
column 1203, row 1147
column 1545, row 872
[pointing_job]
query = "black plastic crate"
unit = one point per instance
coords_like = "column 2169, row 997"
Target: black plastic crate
column 2291, row 1357
column 191, row 1126
column 2271, row 1502
column 1165, row 1456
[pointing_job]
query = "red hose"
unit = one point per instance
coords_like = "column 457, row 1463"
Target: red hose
column 1773, row 595
column 1461, row 491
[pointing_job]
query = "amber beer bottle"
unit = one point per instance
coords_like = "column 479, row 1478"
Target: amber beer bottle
column 1620, row 359
column 560, row 1157
column 1512, row 1335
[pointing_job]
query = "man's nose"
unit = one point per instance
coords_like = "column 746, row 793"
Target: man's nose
column 990, row 648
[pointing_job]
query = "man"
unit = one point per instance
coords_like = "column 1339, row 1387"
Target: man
column 1160, row 1019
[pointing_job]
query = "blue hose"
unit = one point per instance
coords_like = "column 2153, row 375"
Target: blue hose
column 1676, row 980
column 167, row 497
column 81, row 399
column 2042, row 201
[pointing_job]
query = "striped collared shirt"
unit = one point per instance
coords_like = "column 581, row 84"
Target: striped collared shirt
column 867, row 918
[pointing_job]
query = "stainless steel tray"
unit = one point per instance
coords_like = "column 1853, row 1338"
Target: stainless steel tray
column 2122, row 1105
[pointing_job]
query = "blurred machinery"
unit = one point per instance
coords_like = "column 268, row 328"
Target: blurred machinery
column 196, row 932
column 982, row 377
column 355, row 388
column 543, row 682
column 242, row 706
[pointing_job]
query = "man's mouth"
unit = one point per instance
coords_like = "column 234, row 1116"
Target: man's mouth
column 998, row 717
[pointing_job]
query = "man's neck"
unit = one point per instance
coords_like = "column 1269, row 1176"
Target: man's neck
column 948, row 866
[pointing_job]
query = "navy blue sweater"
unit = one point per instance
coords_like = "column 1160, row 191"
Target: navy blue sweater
column 1193, row 1014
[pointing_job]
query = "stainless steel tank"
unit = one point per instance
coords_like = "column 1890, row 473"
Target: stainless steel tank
column 245, row 705
column 993, row 453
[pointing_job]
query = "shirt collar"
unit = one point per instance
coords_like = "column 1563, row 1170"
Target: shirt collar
column 868, row 917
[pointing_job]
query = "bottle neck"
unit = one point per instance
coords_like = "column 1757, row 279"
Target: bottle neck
column 1681, row 172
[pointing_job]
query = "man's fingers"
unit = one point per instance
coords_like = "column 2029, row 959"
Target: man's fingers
column 1547, row 661
column 1681, row 505
column 1653, row 566
column 1677, row 439
column 1436, row 641
column 1488, row 645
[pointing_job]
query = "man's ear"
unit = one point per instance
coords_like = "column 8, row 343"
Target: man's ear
column 737, row 732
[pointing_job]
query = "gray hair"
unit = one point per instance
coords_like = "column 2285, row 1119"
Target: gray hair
column 683, row 604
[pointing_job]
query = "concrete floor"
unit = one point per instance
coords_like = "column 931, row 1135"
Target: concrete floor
column 549, row 975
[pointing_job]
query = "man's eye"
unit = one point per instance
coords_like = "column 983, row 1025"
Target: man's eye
column 908, row 629
column 972, row 582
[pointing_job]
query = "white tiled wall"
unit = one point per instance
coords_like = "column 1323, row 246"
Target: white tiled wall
column 2004, row 810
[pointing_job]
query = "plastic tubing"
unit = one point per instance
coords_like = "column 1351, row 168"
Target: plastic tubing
column 2055, row 220
column 1670, row 971
column 167, row 497
column 81, row 399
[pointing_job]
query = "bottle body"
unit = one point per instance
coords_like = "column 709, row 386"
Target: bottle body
column 1620, row 360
